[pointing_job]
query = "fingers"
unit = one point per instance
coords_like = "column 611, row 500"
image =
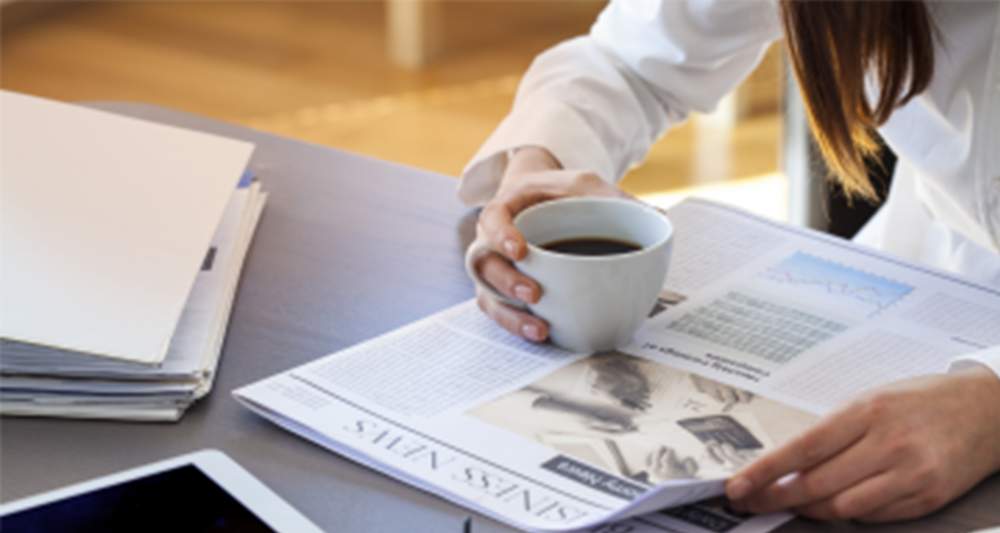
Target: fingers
column 496, row 228
column 824, row 481
column 906, row 508
column 496, row 225
column 517, row 322
column 832, row 435
column 867, row 498
column 496, row 220
column 508, row 280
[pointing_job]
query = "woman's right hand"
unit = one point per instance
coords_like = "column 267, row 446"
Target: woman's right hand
column 533, row 176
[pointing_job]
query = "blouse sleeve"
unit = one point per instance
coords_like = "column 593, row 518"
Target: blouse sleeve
column 990, row 358
column 599, row 101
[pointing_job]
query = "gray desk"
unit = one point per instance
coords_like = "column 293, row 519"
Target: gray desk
column 347, row 248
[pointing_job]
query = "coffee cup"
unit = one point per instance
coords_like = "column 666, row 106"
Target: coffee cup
column 601, row 262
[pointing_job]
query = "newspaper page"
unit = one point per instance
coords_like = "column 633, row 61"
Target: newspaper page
column 805, row 318
column 760, row 328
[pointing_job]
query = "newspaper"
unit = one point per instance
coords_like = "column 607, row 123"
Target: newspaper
column 760, row 328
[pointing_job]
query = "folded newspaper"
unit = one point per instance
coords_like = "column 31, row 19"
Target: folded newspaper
column 761, row 327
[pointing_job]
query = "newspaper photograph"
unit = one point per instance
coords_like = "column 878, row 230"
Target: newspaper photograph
column 643, row 420
column 758, row 332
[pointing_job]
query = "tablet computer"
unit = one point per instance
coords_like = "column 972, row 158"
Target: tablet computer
column 202, row 491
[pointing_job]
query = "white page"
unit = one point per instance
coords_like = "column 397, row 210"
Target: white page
column 105, row 222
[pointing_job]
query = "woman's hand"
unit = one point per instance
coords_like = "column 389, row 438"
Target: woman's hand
column 533, row 176
column 898, row 453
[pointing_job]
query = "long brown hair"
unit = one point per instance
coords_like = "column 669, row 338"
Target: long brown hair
column 832, row 46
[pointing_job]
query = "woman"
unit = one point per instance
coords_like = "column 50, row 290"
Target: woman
column 926, row 75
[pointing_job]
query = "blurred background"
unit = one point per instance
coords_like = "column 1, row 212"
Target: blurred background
column 420, row 82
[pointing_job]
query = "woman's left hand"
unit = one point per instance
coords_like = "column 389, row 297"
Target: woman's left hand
column 900, row 452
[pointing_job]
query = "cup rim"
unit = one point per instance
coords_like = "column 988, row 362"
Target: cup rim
column 600, row 199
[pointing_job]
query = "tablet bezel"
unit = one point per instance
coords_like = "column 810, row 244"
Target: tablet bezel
column 261, row 501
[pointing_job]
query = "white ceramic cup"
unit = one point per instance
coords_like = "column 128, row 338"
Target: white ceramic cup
column 592, row 303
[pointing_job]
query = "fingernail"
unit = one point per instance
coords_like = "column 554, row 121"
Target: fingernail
column 523, row 293
column 532, row 331
column 738, row 488
column 510, row 247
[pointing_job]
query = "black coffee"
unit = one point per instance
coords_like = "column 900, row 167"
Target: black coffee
column 591, row 246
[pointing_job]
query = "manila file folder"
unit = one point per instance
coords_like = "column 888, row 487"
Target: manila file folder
column 104, row 222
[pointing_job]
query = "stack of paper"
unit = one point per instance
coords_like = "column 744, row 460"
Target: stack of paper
column 123, row 243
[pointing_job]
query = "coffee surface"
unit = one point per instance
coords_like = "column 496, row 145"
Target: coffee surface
column 591, row 246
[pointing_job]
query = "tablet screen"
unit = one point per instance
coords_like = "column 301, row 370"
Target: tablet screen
column 181, row 499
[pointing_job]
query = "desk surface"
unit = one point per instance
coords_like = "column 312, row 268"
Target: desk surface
column 347, row 248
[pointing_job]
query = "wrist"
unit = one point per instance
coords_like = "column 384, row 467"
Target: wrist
column 529, row 159
column 986, row 386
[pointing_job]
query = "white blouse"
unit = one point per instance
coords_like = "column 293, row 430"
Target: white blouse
column 598, row 102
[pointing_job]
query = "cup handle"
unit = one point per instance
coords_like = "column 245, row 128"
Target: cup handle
column 478, row 250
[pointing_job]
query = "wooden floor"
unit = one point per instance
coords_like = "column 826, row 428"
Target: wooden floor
column 318, row 71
